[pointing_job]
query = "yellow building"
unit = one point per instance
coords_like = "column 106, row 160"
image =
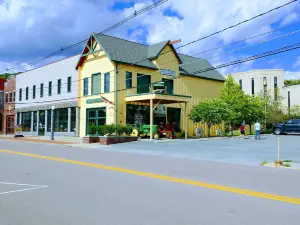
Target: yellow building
column 116, row 76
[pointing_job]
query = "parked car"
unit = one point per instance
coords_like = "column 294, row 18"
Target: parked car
column 291, row 126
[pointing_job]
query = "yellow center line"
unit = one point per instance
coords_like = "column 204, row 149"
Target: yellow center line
column 167, row 178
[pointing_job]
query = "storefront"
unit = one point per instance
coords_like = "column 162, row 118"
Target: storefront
column 37, row 120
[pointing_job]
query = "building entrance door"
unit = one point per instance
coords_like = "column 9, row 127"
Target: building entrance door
column 10, row 124
column 41, row 124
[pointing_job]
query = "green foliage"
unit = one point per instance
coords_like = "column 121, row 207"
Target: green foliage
column 291, row 82
column 5, row 76
column 252, row 109
column 109, row 129
column 100, row 130
column 92, row 129
column 210, row 112
column 286, row 165
column 287, row 160
column 128, row 129
column 295, row 111
column 119, row 129
column 264, row 162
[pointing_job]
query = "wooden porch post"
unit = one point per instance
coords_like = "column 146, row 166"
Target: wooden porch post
column 151, row 119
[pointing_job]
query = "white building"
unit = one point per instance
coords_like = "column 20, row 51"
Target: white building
column 257, row 81
column 291, row 95
column 39, row 90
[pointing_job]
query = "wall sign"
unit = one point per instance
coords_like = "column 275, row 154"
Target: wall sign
column 96, row 100
column 167, row 72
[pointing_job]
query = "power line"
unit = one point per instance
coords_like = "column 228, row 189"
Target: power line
column 251, row 58
column 199, row 59
column 230, row 27
column 132, row 16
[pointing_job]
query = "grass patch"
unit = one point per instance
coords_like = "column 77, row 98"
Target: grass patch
column 287, row 160
column 286, row 165
column 264, row 162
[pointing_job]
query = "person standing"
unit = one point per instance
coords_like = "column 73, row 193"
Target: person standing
column 257, row 130
column 242, row 129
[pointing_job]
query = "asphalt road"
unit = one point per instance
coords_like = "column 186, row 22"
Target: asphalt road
column 52, row 184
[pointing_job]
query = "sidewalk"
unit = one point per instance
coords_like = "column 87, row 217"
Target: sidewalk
column 44, row 139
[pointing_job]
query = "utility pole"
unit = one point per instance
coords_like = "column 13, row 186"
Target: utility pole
column 52, row 122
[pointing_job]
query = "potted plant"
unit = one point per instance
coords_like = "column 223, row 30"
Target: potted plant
column 91, row 137
column 115, row 134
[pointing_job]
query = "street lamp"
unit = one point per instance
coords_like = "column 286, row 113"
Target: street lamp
column 52, row 122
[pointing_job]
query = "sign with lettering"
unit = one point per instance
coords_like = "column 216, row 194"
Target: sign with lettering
column 167, row 72
column 96, row 100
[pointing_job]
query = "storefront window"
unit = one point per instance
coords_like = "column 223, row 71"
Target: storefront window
column 34, row 121
column 26, row 121
column 73, row 119
column 49, row 120
column 61, row 120
column 96, row 117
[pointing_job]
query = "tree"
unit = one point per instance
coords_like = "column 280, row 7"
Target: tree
column 233, row 96
column 253, row 109
column 291, row 82
column 210, row 112
column 295, row 111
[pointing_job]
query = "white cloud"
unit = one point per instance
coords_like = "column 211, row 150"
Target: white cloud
column 297, row 63
column 289, row 19
column 291, row 75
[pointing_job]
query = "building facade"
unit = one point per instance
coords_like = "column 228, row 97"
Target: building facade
column 38, row 91
column 256, row 82
column 291, row 96
column 116, row 77
column 2, row 81
column 9, row 105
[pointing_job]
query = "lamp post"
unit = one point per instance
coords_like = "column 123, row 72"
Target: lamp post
column 52, row 122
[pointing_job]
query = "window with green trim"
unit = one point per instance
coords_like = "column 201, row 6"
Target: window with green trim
column 143, row 83
column 107, row 82
column 59, row 86
column 85, row 86
column 128, row 79
column 50, row 88
column 42, row 91
column 96, row 84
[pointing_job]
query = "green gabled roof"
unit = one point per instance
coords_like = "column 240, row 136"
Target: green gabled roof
column 120, row 50
column 124, row 51
column 191, row 65
column 154, row 50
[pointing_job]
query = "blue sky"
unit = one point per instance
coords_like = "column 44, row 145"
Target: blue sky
column 32, row 29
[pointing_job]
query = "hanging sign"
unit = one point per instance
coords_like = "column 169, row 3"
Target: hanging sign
column 96, row 100
column 167, row 72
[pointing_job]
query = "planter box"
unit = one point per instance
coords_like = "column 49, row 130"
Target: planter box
column 109, row 140
column 90, row 139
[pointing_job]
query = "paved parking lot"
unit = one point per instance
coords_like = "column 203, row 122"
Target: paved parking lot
column 242, row 151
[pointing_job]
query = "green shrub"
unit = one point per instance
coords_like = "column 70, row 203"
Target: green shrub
column 119, row 130
column 286, row 165
column 100, row 130
column 128, row 129
column 92, row 129
column 109, row 129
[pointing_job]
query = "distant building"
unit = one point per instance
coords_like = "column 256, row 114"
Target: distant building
column 9, row 105
column 291, row 95
column 255, row 82
column 2, row 81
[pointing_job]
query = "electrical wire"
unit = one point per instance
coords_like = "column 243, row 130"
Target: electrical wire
column 199, row 59
column 132, row 16
column 251, row 58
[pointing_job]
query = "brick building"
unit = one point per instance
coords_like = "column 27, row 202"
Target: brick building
column 9, row 105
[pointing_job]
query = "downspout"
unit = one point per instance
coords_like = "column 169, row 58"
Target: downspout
column 116, row 95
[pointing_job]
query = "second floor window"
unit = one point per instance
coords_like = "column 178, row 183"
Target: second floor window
column 241, row 83
column 59, row 86
column 27, row 92
column 69, row 84
column 33, row 91
column 107, row 82
column 96, row 84
column 20, row 94
column 6, row 97
column 14, row 96
column 50, row 88
column 10, row 97
column 128, row 79
column 275, row 88
column 85, row 86
column 42, row 91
